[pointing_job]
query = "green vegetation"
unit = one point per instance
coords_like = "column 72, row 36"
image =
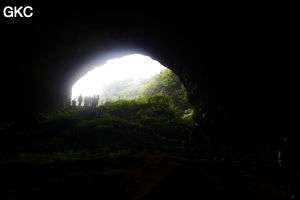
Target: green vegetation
column 124, row 127
column 166, row 83
column 149, row 116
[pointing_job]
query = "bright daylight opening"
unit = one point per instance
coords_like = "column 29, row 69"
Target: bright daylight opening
column 135, row 68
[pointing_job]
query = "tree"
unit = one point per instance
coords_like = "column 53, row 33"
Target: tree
column 165, row 83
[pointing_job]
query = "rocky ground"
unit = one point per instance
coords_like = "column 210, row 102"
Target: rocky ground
column 146, row 176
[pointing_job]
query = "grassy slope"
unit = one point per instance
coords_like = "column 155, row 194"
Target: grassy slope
column 116, row 128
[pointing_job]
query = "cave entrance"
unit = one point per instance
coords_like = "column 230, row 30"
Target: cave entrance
column 116, row 75
column 133, row 76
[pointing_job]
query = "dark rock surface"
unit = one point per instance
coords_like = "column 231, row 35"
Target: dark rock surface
column 145, row 176
column 224, row 56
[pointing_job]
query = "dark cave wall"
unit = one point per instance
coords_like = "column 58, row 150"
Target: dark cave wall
column 211, row 76
column 212, row 79
column 221, row 55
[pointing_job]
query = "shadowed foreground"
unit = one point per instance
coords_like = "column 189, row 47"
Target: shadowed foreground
column 145, row 176
column 126, row 150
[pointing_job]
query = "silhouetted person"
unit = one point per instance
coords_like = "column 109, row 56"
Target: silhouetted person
column 73, row 103
column 86, row 101
column 97, row 99
column 80, row 100
column 90, row 101
column 68, row 104
column 94, row 101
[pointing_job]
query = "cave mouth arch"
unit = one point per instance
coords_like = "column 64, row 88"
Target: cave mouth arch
column 134, row 67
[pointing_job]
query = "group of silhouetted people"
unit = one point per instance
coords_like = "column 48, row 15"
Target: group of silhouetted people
column 87, row 101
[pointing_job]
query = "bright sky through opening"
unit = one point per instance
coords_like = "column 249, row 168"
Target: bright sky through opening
column 135, row 66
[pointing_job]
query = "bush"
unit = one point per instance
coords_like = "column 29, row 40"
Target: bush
column 160, row 99
column 188, row 114
column 119, row 103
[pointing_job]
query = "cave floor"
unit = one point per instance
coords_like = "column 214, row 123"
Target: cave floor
column 146, row 176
